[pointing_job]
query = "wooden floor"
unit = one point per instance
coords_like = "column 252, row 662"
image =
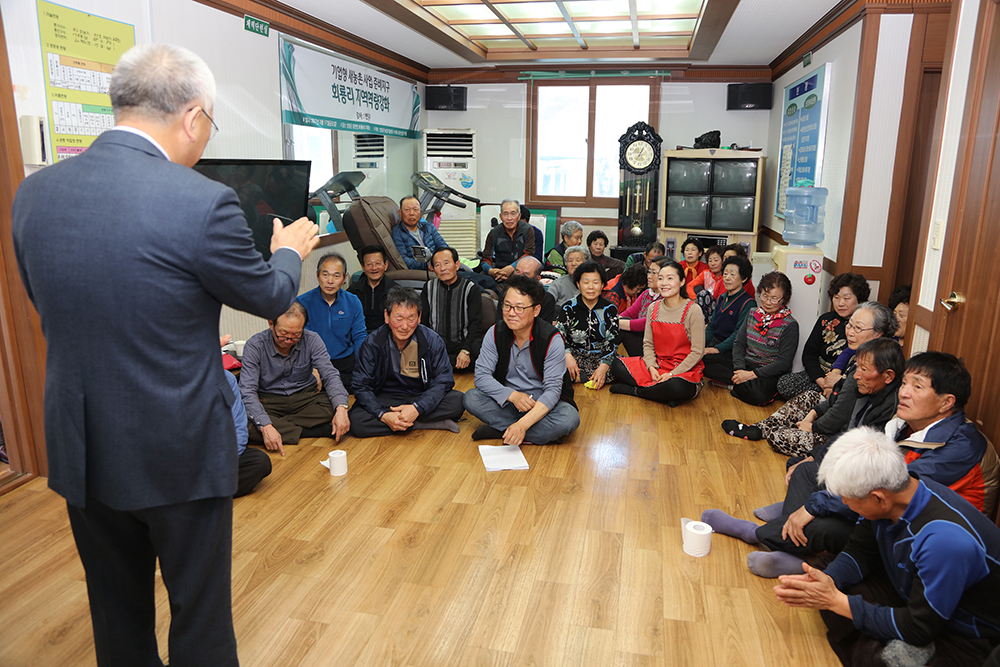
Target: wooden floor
column 420, row 557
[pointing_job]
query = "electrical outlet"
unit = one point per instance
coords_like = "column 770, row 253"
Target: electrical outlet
column 671, row 245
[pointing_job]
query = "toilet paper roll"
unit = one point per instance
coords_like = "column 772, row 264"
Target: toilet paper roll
column 338, row 462
column 239, row 345
column 697, row 538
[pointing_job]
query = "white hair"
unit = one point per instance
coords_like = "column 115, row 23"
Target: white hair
column 862, row 460
column 582, row 249
column 570, row 227
column 159, row 81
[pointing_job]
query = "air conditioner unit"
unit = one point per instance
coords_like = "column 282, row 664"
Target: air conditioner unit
column 369, row 156
column 451, row 156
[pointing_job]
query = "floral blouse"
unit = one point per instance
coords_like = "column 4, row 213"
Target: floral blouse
column 590, row 332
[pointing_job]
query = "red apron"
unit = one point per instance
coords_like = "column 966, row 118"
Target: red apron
column 672, row 346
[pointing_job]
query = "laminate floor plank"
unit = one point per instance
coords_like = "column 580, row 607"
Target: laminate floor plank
column 418, row 557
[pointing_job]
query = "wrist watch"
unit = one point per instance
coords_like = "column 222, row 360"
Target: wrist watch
column 342, row 405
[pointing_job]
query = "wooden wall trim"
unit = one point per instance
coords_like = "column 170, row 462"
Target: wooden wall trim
column 859, row 142
column 310, row 29
column 905, row 139
column 22, row 346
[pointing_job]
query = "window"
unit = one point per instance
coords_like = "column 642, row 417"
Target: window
column 575, row 127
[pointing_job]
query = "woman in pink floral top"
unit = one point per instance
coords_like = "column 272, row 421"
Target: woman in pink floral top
column 632, row 321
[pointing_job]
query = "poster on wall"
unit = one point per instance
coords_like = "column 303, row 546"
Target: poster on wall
column 79, row 50
column 320, row 90
column 803, row 133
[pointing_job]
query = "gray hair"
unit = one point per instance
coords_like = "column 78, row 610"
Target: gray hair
column 295, row 311
column 862, row 460
column 532, row 262
column 158, row 81
column 511, row 201
column 883, row 320
column 582, row 249
column 569, row 228
column 403, row 297
column 885, row 354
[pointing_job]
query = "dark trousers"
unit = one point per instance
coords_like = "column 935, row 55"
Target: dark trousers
column 255, row 465
column 119, row 549
column 719, row 367
column 366, row 425
column 759, row 391
column 856, row 649
column 671, row 391
column 823, row 533
column 632, row 342
column 345, row 366
column 291, row 414
column 483, row 280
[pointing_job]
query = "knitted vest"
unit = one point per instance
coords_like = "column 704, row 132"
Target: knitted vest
column 762, row 348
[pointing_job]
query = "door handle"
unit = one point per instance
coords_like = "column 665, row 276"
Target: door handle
column 953, row 301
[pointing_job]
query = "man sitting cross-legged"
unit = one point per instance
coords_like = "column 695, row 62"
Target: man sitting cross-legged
column 523, row 393
column 939, row 443
column 403, row 378
column 453, row 308
column 918, row 582
column 279, row 389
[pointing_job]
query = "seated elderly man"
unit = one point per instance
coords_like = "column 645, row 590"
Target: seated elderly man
column 572, row 236
column 254, row 465
column 453, row 308
column 371, row 289
column 335, row 314
column 529, row 267
column 939, row 443
column 597, row 243
column 404, row 380
column 918, row 582
column 563, row 288
column 508, row 242
column 523, row 393
column 278, row 387
column 653, row 250
column 413, row 230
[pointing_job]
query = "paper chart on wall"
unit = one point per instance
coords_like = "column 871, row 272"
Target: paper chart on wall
column 79, row 51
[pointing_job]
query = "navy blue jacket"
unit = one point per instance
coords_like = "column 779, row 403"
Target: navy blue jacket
column 373, row 367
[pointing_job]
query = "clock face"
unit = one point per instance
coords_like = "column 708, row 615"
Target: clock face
column 639, row 154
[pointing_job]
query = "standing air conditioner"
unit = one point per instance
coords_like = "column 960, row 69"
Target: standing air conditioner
column 369, row 157
column 451, row 156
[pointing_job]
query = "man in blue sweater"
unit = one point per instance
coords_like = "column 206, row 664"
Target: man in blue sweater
column 919, row 579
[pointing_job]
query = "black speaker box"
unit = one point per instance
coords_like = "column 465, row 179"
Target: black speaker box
column 445, row 98
column 749, row 96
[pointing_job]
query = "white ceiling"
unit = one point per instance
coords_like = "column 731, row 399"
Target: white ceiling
column 757, row 33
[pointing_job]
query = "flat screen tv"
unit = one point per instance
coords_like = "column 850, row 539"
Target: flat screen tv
column 265, row 188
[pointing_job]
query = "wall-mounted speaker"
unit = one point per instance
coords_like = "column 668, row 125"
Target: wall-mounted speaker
column 445, row 98
column 749, row 96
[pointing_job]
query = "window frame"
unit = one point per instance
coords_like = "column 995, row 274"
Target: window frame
column 545, row 201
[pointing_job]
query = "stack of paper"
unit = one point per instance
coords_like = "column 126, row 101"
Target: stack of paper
column 503, row 457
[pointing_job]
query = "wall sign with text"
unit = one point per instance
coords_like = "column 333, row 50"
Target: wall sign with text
column 803, row 133
column 320, row 90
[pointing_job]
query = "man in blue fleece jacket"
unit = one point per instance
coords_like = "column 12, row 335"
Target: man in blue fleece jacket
column 919, row 579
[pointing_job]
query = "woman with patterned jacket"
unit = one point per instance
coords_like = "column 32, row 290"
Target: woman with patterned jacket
column 589, row 324
column 765, row 348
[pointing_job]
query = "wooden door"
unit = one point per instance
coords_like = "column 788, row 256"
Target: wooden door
column 971, row 261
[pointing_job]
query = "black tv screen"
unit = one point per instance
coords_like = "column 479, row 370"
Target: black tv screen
column 265, row 188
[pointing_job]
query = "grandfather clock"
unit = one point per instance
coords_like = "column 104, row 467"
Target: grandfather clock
column 638, row 192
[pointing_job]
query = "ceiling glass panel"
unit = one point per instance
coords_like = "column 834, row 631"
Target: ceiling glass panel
column 477, row 12
column 561, row 28
column 604, row 26
column 670, row 6
column 623, row 41
column 555, row 43
column 660, row 42
column 529, row 10
column 484, row 29
column 507, row 44
column 581, row 8
column 678, row 25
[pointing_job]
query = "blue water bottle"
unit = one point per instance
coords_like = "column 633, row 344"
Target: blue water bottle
column 804, row 213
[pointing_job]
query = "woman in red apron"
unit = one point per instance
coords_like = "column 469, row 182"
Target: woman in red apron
column 670, row 369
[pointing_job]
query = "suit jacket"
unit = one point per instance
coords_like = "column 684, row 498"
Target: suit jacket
column 128, row 259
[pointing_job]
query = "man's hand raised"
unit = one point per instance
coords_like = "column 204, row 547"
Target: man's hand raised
column 301, row 236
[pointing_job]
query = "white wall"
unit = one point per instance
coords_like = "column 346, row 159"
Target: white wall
column 844, row 52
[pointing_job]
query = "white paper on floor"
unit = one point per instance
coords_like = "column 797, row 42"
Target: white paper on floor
column 503, row 457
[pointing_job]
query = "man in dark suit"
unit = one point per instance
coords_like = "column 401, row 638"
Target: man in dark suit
column 139, row 432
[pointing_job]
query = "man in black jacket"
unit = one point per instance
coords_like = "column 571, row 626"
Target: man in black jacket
column 453, row 308
column 371, row 289
column 403, row 378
